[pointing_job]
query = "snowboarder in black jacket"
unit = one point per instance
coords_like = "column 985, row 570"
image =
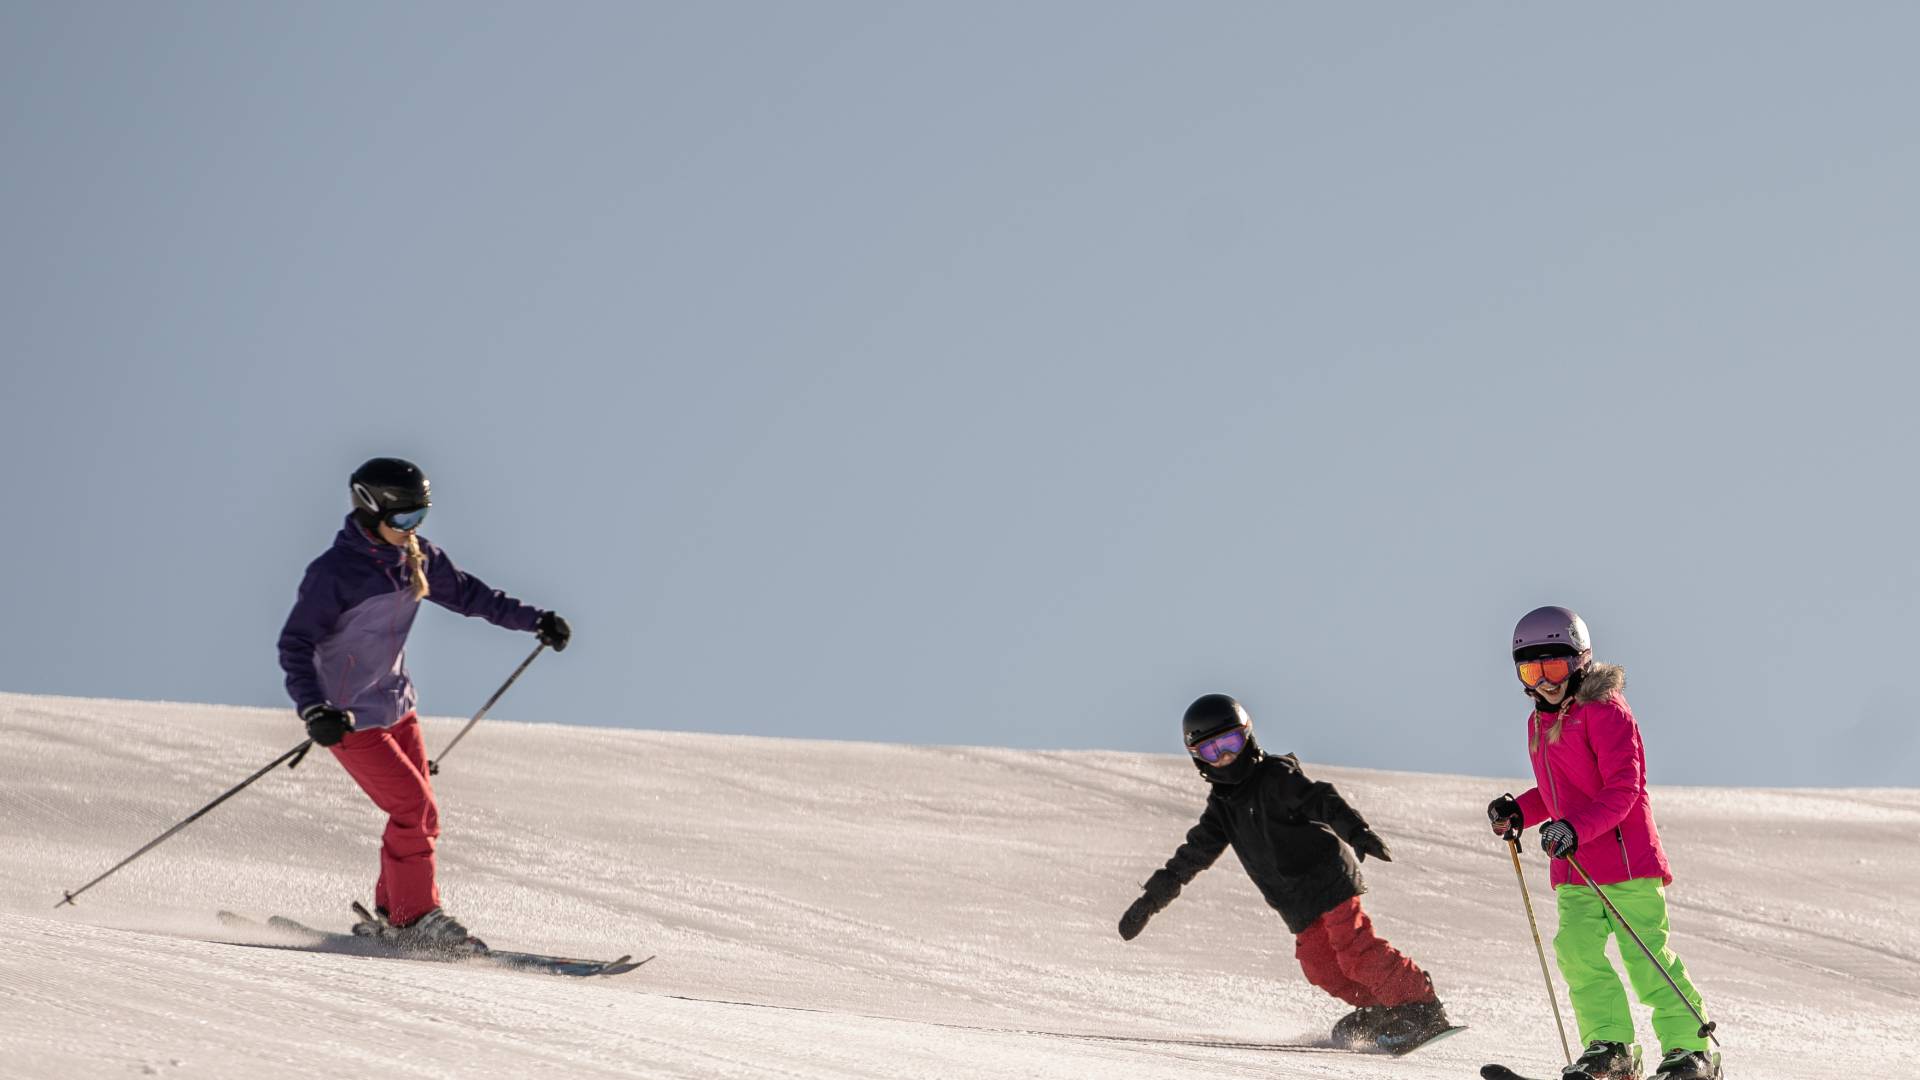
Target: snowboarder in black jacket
column 1288, row 832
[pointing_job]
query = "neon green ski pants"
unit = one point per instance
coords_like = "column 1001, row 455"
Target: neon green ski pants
column 1599, row 1001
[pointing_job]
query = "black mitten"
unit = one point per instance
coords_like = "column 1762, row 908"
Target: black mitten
column 1369, row 843
column 1158, row 892
column 1504, row 814
column 326, row 725
column 554, row 631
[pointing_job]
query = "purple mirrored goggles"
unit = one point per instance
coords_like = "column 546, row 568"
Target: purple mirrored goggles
column 1213, row 748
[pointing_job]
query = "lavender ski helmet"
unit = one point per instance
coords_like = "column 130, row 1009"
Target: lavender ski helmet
column 1548, row 630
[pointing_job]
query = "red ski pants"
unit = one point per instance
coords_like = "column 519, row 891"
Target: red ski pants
column 1343, row 956
column 390, row 765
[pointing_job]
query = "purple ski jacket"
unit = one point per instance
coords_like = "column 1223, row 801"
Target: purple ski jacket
column 1594, row 778
column 345, row 640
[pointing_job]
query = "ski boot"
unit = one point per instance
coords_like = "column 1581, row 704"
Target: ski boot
column 1605, row 1061
column 1406, row 1026
column 1688, row 1065
column 1360, row 1026
column 434, row 932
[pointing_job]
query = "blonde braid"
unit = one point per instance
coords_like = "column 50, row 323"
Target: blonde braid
column 417, row 568
column 1553, row 733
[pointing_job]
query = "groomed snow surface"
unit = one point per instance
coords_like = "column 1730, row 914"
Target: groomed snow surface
column 830, row 909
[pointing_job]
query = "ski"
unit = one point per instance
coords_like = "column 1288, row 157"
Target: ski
column 1501, row 1072
column 316, row 940
column 1209, row 1042
column 1571, row 1072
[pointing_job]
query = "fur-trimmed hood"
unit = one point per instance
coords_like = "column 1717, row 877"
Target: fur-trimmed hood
column 1598, row 682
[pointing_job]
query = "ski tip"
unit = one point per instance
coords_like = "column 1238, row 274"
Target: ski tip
column 622, row 966
column 1499, row 1072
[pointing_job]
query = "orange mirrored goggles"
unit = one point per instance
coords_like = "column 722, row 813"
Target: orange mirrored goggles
column 1550, row 671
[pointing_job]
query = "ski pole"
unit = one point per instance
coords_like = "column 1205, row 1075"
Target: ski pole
column 1513, row 844
column 433, row 767
column 1706, row 1028
column 296, row 754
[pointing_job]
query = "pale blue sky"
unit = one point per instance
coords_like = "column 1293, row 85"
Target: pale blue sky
column 1001, row 373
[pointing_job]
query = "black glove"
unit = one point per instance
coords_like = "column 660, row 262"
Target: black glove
column 1504, row 814
column 326, row 725
column 1557, row 839
column 1369, row 843
column 554, row 631
column 1158, row 892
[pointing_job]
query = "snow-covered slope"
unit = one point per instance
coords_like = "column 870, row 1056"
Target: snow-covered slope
column 847, row 910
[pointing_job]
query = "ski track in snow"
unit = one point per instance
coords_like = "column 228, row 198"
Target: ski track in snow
column 848, row 910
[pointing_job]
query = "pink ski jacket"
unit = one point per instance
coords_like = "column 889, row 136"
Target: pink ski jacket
column 1594, row 777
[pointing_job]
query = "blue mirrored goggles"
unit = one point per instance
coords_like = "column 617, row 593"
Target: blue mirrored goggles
column 405, row 520
column 1231, row 741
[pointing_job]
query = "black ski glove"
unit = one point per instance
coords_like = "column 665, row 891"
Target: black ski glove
column 1557, row 839
column 1504, row 814
column 326, row 725
column 554, row 631
column 1368, row 843
column 1158, row 892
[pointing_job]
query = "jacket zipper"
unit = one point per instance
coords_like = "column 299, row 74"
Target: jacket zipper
column 1553, row 786
column 1546, row 764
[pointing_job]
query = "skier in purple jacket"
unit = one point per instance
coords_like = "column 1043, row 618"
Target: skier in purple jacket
column 344, row 652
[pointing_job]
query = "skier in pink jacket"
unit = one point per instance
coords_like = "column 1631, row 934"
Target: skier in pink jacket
column 1590, row 800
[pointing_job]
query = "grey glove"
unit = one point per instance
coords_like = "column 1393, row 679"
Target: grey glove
column 1558, row 839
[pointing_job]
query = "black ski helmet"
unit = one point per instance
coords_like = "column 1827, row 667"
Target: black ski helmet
column 1213, row 715
column 385, row 486
column 1210, row 715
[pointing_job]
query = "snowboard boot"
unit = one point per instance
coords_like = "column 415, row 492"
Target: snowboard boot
column 1605, row 1061
column 1688, row 1065
column 434, row 932
column 1409, row 1025
column 1360, row 1026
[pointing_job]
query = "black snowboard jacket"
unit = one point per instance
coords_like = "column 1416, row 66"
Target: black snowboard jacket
column 1288, row 832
